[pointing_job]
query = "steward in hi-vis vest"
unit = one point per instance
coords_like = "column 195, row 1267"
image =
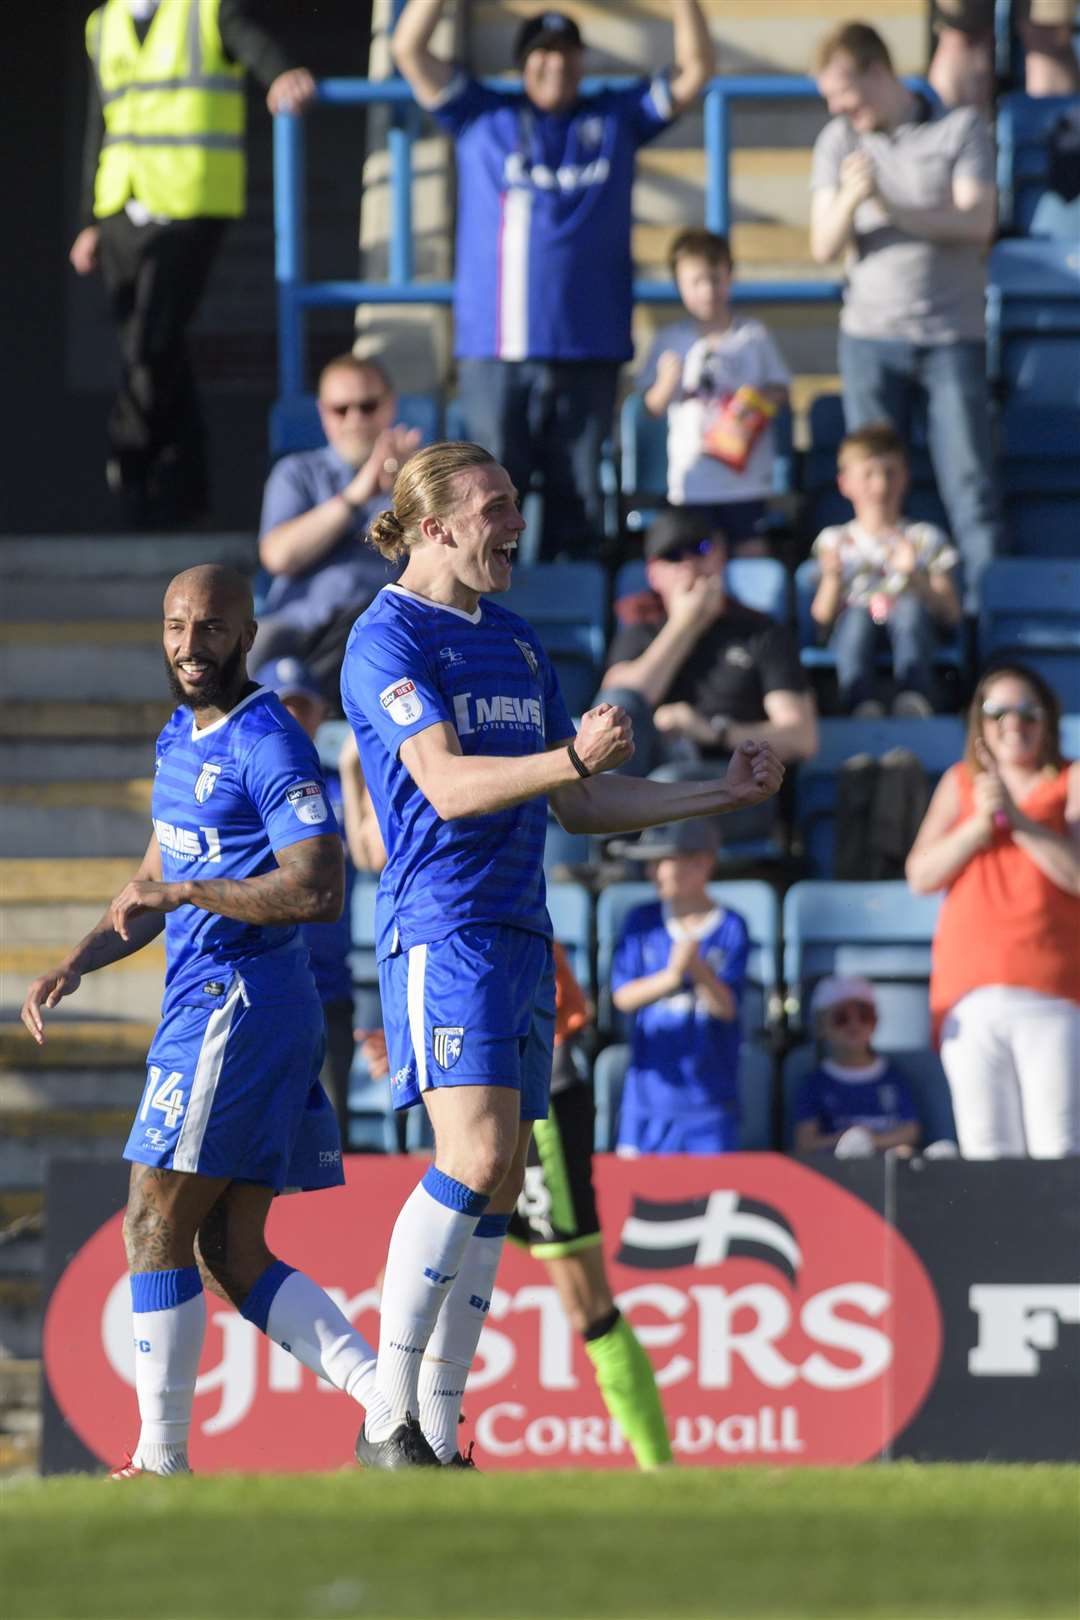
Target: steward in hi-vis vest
column 163, row 174
column 174, row 112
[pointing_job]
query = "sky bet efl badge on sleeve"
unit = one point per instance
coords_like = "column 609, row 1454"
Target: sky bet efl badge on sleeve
column 308, row 802
column 401, row 701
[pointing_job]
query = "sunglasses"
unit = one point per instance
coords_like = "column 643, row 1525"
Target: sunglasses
column 856, row 1012
column 366, row 407
column 1029, row 714
column 697, row 548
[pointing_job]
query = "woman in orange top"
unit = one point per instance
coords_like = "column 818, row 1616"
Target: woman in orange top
column 1002, row 838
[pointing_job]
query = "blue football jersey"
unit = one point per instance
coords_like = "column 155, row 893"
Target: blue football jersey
column 837, row 1098
column 225, row 798
column 681, row 1056
column 544, row 268
column 411, row 663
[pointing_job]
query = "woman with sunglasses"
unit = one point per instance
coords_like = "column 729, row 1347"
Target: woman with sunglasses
column 1002, row 838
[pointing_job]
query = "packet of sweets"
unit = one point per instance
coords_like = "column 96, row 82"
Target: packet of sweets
column 737, row 426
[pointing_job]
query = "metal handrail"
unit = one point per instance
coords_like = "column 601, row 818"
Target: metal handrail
column 296, row 295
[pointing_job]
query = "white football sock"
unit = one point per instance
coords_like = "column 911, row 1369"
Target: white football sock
column 452, row 1345
column 304, row 1320
column 426, row 1249
column 169, row 1322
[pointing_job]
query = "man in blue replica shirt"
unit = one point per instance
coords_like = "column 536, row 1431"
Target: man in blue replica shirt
column 244, row 851
column 544, row 286
column 463, row 736
column 678, row 971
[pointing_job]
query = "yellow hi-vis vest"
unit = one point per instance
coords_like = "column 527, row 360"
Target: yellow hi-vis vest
column 174, row 112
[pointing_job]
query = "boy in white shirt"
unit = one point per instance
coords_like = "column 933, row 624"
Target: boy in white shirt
column 883, row 580
column 720, row 381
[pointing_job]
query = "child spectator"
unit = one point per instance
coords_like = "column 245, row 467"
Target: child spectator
column 721, row 381
column 856, row 1103
column 884, row 581
column 679, row 970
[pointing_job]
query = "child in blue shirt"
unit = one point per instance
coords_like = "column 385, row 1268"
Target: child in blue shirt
column 855, row 1103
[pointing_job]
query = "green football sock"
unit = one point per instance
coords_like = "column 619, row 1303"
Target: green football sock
column 625, row 1379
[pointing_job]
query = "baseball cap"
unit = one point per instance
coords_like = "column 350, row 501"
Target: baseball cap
column 838, row 988
column 696, row 837
column 550, row 30
column 288, row 677
column 674, row 530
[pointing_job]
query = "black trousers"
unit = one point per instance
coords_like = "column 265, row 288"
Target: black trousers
column 155, row 276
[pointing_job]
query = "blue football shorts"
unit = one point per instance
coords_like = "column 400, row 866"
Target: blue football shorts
column 699, row 1130
column 233, row 1090
column 474, row 1009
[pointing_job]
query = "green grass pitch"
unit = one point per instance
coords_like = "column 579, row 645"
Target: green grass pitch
column 902, row 1542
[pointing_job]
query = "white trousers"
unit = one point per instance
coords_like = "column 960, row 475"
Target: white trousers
column 1012, row 1058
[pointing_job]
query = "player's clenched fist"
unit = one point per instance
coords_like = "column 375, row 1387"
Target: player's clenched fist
column 606, row 738
column 754, row 773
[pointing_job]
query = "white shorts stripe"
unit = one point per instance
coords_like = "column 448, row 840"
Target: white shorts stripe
column 514, row 274
column 204, row 1085
column 414, row 999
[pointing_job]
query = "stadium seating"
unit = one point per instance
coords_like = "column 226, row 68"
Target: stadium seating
column 1024, row 128
column 1033, row 321
column 937, row 743
column 566, row 604
column 1030, row 608
column 295, row 425
column 761, row 583
column 823, row 504
column 756, row 1082
column 1040, row 476
column 756, row 902
column 922, row 1068
column 880, row 931
column 570, row 906
column 949, row 653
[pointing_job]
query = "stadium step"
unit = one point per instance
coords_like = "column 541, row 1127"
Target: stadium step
column 33, row 759
column 24, row 1090
column 107, row 577
column 128, row 989
column 76, row 1044
column 34, row 669
column 79, row 718
column 82, row 818
column 62, row 881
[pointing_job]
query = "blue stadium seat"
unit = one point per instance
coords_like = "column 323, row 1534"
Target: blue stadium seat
column 1070, row 736
column 756, row 902
column 756, row 1081
column 1033, row 320
column 1040, row 475
column 824, row 505
column 937, row 743
column 949, row 653
column 1030, row 609
column 295, row 425
column 566, row 604
column 922, row 1068
column 372, row 1127
column 562, row 848
column 364, row 968
column 570, row 906
column 880, row 931
column 1024, row 127
column 759, row 582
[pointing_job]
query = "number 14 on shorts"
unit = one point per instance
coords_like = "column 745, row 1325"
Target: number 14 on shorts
column 164, row 1095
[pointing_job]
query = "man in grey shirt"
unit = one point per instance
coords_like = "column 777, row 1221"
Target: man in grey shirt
column 905, row 190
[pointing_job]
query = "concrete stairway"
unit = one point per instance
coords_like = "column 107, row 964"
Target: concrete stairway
column 84, row 696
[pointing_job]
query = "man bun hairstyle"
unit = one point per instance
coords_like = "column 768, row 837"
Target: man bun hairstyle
column 423, row 488
column 863, row 44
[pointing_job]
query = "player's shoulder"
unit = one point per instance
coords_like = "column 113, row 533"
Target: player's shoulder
column 495, row 615
column 259, row 716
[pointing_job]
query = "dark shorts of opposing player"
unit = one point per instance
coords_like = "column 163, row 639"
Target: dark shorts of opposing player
column 474, row 1009
column 233, row 1090
column 556, row 1213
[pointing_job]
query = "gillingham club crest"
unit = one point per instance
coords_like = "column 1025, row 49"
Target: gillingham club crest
column 446, row 1042
column 206, row 783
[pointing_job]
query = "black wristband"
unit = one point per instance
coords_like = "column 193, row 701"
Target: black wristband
column 582, row 769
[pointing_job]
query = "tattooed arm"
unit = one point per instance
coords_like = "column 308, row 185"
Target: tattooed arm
column 307, row 885
column 102, row 946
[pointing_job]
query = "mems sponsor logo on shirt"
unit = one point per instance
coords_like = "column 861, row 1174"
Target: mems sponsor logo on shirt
column 482, row 713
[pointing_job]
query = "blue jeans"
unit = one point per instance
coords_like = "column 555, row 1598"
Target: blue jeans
column 549, row 417
column 856, row 640
column 882, row 378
